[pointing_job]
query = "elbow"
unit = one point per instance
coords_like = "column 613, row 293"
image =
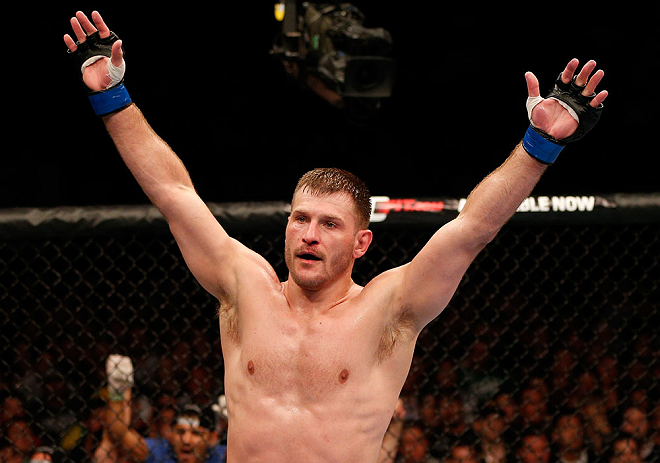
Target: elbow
column 169, row 199
column 482, row 231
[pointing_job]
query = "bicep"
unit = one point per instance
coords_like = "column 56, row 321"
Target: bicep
column 207, row 249
column 430, row 280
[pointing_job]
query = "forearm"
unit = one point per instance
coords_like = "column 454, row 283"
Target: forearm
column 116, row 421
column 494, row 201
column 151, row 161
column 390, row 447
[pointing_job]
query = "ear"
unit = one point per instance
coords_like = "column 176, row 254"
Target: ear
column 362, row 242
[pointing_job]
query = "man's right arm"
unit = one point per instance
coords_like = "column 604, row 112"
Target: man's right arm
column 158, row 170
column 165, row 180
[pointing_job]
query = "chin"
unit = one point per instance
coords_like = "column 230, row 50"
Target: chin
column 309, row 283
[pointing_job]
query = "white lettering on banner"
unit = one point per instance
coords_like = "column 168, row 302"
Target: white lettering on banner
column 551, row 204
column 558, row 204
column 531, row 204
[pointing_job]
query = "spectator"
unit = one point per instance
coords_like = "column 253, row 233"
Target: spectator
column 534, row 447
column 191, row 437
column 635, row 424
column 639, row 398
column 414, row 445
column 463, row 452
column 625, row 449
column 479, row 383
column 506, row 403
column 21, row 441
column 392, row 438
column 43, row 454
column 533, row 404
column 655, row 425
column 586, row 387
column 12, row 409
column 490, row 427
column 562, row 368
column 568, row 435
column 598, row 429
column 608, row 375
column 452, row 424
column 165, row 412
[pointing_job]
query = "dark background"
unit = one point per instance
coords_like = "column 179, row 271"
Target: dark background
column 203, row 76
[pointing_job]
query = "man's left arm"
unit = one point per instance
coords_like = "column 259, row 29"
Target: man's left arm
column 572, row 109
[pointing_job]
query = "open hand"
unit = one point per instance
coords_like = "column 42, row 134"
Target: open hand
column 550, row 116
column 96, row 75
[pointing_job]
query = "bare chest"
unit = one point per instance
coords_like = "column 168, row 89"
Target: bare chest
column 306, row 358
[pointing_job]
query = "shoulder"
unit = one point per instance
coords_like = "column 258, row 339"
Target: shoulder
column 384, row 291
column 159, row 449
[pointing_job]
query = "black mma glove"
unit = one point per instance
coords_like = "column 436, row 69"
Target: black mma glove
column 545, row 147
column 115, row 97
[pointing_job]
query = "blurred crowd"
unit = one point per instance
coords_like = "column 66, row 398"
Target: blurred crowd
column 571, row 404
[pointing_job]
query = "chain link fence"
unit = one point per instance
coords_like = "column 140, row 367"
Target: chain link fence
column 550, row 342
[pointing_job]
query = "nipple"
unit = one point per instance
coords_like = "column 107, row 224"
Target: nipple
column 251, row 367
column 343, row 376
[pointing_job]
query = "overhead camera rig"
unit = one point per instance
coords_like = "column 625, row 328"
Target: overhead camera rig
column 329, row 50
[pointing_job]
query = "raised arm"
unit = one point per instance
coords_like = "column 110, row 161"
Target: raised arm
column 158, row 170
column 430, row 280
column 117, row 417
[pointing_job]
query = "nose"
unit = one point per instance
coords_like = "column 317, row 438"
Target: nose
column 311, row 234
column 186, row 437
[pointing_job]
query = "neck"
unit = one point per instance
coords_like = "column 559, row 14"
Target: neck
column 318, row 301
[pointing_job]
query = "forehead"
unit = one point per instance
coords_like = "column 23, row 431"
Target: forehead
column 340, row 204
column 187, row 424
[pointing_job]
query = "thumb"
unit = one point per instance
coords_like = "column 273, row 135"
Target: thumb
column 117, row 55
column 532, row 85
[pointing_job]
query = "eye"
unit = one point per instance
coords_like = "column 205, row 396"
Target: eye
column 330, row 224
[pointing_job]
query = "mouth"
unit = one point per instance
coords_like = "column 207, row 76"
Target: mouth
column 186, row 454
column 309, row 256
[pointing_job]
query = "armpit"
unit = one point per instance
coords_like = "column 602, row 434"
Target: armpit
column 396, row 331
column 228, row 317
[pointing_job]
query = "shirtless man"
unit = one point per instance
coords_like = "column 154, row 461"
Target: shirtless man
column 314, row 365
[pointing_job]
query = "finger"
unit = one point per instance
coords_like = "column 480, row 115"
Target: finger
column 532, row 85
column 584, row 74
column 567, row 74
column 598, row 99
column 70, row 43
column 593, row 83
column 78, row 30
column 117, row 55
column 100, row 25
column 86, row 24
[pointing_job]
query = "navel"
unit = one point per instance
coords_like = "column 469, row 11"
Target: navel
column 250, row 367
column 343, row 376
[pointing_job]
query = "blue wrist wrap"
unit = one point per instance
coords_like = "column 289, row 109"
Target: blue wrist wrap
column 110, row 100
column 539, row 147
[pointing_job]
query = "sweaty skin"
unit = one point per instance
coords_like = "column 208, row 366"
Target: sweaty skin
column 314, row 365
column 313, row 382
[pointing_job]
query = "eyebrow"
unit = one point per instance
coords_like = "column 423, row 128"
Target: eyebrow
column 322, row 216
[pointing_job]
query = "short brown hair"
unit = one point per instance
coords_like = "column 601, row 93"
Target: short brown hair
column 330, row 180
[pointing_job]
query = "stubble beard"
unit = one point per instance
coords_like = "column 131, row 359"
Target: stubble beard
column 337, row 266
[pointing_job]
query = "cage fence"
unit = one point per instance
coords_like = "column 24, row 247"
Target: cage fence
column 555, row 322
